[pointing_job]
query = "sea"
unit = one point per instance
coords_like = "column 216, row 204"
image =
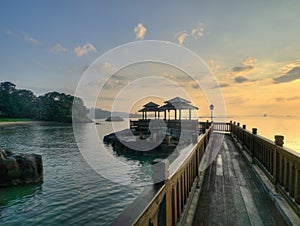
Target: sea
column 73, row 193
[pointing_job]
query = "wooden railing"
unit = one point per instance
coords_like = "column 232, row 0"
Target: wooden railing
column 281, row 165
column 166, row 203
column 176, row 124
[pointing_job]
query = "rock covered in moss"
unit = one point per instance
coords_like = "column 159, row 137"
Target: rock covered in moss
column 20, row 169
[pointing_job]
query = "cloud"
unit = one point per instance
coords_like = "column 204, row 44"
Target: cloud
column 181, row 36
column 237, row 100
column 195, row 33
column 289, row 76
column 22, row 36
column 58, row 48
column 105, row 68
column 283, row 100
column 249, row 61
column 82, row 50
column 30, row 39
column 222, row 85
column 242, row 68
column 140, row 31
column 116, row 82
column 240, row 79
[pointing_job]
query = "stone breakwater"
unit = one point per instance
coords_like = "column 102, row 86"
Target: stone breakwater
column 20, row 169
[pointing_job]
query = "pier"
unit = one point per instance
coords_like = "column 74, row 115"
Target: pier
column 251, row 181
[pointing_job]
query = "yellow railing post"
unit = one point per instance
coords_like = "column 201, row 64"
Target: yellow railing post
column 168, row 203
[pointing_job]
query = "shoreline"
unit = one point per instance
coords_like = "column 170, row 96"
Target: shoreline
column 4, row 124
column 17, row 123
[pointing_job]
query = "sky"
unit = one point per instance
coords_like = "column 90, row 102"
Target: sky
column 252, row 47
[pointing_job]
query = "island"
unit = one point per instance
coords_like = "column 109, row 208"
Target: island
column 114, row 119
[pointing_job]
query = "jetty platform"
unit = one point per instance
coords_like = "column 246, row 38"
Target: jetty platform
column 231, row 193
column 228, row 176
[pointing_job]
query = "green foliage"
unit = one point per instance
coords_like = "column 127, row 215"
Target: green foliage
column 52, row 106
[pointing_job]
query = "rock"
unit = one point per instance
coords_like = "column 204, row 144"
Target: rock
column 20, row 169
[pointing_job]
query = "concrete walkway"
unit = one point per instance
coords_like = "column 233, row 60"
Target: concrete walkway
column 232, row 194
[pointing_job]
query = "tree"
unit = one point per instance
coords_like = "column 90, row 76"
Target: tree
column 56, row 106
column 53, row 106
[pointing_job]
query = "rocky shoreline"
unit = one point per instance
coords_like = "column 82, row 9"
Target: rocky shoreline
column 20, row 169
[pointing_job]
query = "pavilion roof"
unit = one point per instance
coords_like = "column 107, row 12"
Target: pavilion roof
column 150, row 107
column 177, row 106
column 151, row 104
column 178, row 100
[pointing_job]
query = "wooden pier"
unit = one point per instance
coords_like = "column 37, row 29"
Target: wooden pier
column 251, row 181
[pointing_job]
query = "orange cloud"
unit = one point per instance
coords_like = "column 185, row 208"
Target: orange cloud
column 181, row 37
column 249, row 61
column 291, row 72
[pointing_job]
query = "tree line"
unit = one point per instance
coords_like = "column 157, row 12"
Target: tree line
column 53, row 106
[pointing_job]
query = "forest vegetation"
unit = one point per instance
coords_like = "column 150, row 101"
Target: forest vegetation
column 53, row 106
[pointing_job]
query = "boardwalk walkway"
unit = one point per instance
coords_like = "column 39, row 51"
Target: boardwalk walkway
column 232, row 194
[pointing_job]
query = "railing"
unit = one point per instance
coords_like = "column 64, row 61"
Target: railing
column 142, row 125
column 281, row 165
column 166, row 203
column 222, row 126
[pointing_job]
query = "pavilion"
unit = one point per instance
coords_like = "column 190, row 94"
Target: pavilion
column 177, row 104
column 149, row 107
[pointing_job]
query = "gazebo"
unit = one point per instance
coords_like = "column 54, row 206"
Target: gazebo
column 149, row 107
column 179, row 104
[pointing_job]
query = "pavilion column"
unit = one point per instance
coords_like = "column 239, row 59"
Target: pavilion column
column 158, row 115
column 190, row 114
column 165, row 115
column 169, row 114
column 179, row 114
column 145, row 114
column 154, row 114
column 175, row 114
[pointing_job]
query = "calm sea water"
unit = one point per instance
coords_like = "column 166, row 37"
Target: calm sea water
column 269, row 126
column 72, row 192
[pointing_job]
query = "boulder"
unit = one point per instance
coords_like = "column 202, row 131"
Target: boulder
column 20, row 169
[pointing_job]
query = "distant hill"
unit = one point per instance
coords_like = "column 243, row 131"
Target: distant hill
column 101, row 114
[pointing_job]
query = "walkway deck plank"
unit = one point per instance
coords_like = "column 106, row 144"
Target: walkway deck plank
column 232, row 195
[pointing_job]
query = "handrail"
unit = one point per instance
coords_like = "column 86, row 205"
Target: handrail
column 165, row 203
column 281, row 165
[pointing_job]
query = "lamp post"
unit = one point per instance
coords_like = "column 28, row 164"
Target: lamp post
column 211, row 107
